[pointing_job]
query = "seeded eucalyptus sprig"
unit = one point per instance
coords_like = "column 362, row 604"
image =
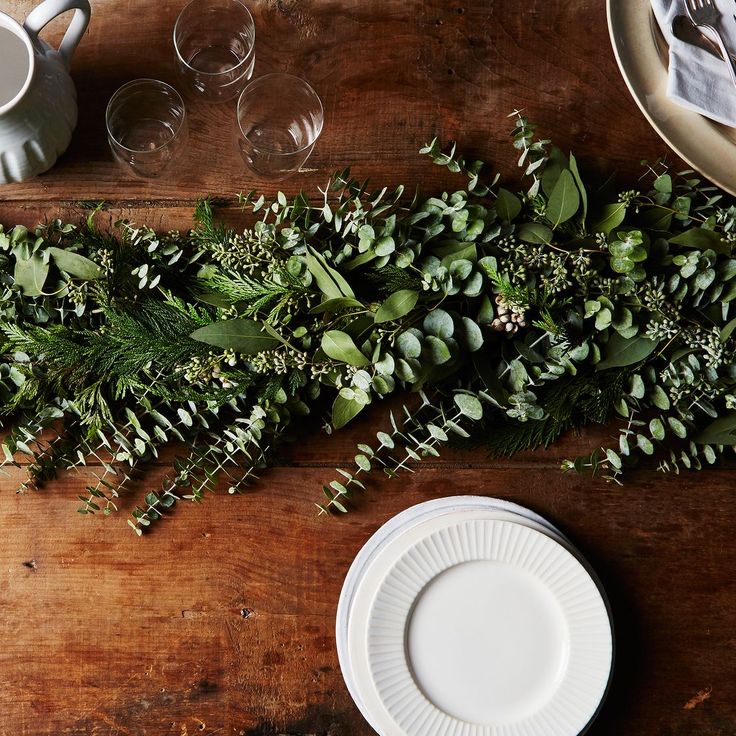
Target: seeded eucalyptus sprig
column 516, row 313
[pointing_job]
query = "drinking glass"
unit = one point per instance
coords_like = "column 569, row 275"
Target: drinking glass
column 280, row 118
column 215, row 48
column 146, row 126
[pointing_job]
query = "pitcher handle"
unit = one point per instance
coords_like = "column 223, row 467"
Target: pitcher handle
column 47, row 11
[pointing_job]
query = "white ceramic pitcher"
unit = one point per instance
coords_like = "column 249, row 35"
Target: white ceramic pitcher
column 36, row 122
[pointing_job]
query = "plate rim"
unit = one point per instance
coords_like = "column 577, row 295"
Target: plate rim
column 633, row 18
column 504, row 536
column 355, row 667
column 426, row 512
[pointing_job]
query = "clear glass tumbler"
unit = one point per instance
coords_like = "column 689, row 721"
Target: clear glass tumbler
column 215, row 48
column 280, row 118
column 146, row 126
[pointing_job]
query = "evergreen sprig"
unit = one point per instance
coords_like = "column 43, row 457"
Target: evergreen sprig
column 516, row 313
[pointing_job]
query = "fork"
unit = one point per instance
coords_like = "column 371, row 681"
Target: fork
column 705, row 14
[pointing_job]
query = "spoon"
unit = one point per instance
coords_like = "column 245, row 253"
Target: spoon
column 685, row 30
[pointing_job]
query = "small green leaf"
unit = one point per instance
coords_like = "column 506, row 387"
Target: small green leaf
column 656, row 218
column 360, row 260
column 637, row 386
column 363, row 463
column 622, row 265
column 613, row 458
column 656, row 428
column 705, row 278
column 727, row 330
column 455, row 428
column 384, row 246
column 30, row 274
column 385, row 364
column 244, row 336
column 623, row 319
column 722, row 431
column 553, row 167
column 213, row 298
column 436, row 350
column 660, row 398
column 581, row 187
column 677, row 427
column 486, row 313
column 702, row 239
column 340, row 346
column 456, row 251
column 75, row 265
column 611, row 216
column 534, row 232
column 398, row 305
column 340, row 507
column 338, row 304
column 343, row 410
column 508, row 205
column 439, row 323
column 339, row 487
column 469, row 406
column 385, row 439
column 437, row 433
column 621, row 352
column 603, row 319
column 644, row 444
column 408, row 345
column 663, row 183
column 564, row 200
column 471, row 335
column 330, row 282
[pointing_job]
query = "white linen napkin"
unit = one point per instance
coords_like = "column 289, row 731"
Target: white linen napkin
column 698, row 80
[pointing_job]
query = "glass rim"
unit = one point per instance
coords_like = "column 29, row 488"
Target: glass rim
column 255, row 83
column 232, row 68
column 141, row 83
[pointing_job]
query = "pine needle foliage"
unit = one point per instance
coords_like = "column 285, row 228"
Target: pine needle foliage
column 515, row 314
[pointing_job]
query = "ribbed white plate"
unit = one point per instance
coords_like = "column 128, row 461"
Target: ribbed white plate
column 376, row 557
column 489, row 628
column 642, row 58
column 476, row 622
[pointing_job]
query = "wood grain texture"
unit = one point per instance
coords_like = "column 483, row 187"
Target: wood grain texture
column 391, row 76
column 221, row 621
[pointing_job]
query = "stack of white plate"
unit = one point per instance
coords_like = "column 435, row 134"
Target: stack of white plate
column 473, row 616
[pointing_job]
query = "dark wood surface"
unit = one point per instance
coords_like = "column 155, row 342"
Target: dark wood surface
column 221, row 621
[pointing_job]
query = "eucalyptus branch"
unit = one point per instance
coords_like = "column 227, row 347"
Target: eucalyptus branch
column 517, row 316
column 418, row 433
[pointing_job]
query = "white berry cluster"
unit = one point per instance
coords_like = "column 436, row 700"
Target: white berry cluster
column 509, row 319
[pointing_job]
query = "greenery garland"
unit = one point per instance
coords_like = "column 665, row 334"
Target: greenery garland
column 515, row 316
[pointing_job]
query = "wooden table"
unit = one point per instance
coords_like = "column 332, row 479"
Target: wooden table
column 221, row 621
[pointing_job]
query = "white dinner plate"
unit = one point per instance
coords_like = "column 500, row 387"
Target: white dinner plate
column 459, row 581
column 641, row 53
column 399, row 524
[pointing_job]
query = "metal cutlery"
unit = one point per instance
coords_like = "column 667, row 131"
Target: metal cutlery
column 705, row 15
column 686, row 31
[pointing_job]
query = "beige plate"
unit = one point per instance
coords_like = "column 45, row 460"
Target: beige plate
column 641, row 53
